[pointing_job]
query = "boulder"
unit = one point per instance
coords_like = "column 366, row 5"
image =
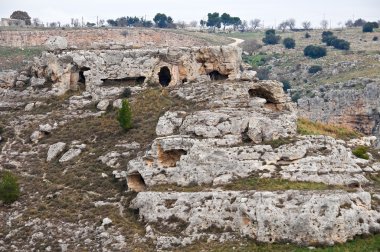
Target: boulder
column 55, row 150
column 36, row 136
column 7, row 78
column 103, row 105
column 70, row 154
column 56, row 43
column 37, row 82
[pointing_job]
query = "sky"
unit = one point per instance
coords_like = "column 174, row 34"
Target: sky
column 271, row 12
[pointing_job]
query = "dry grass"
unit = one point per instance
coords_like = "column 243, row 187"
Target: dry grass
column 13, row 58
column 307, row 127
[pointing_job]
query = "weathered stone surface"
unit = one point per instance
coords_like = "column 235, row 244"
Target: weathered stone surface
column 103, row 105
column 7, row 78
column 46, row 128
column 70, row 154
column 55, row 150
column 169, row 122
column 29, row 106
column 303, row 217
column 36, row 136
column 354, row 103
column 37, row 82
column 55, row 43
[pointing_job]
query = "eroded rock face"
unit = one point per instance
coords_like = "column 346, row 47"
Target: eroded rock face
column 56, row 43
column 354, row 103
column 302, row 217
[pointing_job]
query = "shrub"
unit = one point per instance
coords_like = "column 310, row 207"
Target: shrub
column 361, row 152
column 341, row 44
column 289, row 43
column 126, row 93
column 329, row 40
column 307, row 35
column 368, row 27
column 326, row 34
column 271, row 38
column 125, row 115
column 375, row 38
column 262, row 73
column 314, row 69
column 314, row 52
column 286, row 85
column 9, row 188
column 296, row 96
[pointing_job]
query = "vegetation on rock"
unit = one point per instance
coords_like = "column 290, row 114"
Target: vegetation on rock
column 9, row 188
column 125, row 115
column 361, row 152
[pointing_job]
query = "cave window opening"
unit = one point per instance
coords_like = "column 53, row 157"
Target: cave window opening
column 164, row 76
column 216, row 76
column 262, row 93
column 82, row 78
column 136, row 182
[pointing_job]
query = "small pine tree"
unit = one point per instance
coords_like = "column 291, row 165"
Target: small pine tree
column 125, row 115
column 289, row 43
column 9, row 188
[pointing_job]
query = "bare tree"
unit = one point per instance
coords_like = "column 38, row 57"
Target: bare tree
column 101, row 22
column 36, row 22
column 244, row 26
column 181, row 24
column 291, row 23
column 324, row 24
column 282, row 26
column 193, row 23
column 74, row 22
column 255, row 23
column 306, row 25
column 53, row 25
column 349, row 23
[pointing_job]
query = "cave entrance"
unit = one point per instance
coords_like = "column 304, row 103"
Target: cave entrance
column 82, row 78
column 169, row 158
column 262, row 93
column 136, row 182
column 164, row 76
column 215, row 76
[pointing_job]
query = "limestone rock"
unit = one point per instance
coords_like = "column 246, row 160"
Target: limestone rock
column 55, row 150
column 302, row 217
column 170, row 121
column 7, row 78
column 46, row 128
column 117, row 103
column 103, row 105
column 36, row 136
column 70, row 154
column 37, row 82
column 29, row 106
column 56, row 43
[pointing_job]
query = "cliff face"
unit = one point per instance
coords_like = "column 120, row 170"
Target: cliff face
column 355, row 103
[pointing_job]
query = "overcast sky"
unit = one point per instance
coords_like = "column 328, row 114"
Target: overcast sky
column 272, row 12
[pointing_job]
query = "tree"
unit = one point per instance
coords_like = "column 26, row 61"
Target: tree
column 163, row 21
column 306, row 25
column 75, row 22
column 314, row 52
column 193, row 23
column 291, row 23
column 324, row 24
column 282, row 26
column 202, row 23
column 255, row 23
column 226, row 20
column 213, row 20
column 289, row 43
column 9, row 188
column 244, row 26
column 349, row 23
column 21, row 15
column 90, row 24
column 236, row 22
column 125, row 115
column 36, row 22
column 359, row 22
column 368, row 27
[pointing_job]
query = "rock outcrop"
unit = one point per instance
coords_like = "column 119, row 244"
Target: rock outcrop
column 354, row 103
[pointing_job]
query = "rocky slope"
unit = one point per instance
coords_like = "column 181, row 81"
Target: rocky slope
column 172, row 180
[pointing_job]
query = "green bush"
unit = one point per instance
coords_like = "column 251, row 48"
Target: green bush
column 125, row 115
column 314, row 69
column 329, row 40
column 126, row 93
column 286, row 85
column 271, row 38
column 314, row 52
column 289, row 43
column 375, row 38
column 368, row 27
column 361, row 152
column 9, row 188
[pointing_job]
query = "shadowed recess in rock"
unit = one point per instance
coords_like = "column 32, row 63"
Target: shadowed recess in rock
column 136, row 182
column 164, row 76
column 215, row 76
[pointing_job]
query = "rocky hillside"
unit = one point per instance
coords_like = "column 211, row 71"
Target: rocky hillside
column 216, row 159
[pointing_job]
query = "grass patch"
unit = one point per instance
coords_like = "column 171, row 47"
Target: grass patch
column 307, row 127
column 270, row 184
column 361, row 152
column 13, row 58
column 368, row 244
column 250, row 183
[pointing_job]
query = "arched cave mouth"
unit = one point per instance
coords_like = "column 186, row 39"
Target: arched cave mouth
column 216, row 76
column 262, row 93
column 136, row 182
column 164, row 76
